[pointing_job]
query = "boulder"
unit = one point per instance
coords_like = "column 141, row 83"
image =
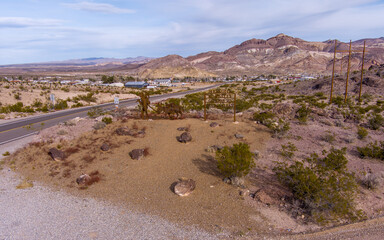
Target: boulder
column 239, row 136
column 105, row 147
column 84, row 179
column 263, row 197
column 136, row 154
column 214, row 124
column 184, row 137
column 56, row 154
column 184, row 187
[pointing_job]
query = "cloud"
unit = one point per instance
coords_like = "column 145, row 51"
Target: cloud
column 99, row 7
column 22, row 22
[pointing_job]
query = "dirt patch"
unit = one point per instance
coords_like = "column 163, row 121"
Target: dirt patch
column 146, row 183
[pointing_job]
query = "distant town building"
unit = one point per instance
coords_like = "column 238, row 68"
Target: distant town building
column 136, row 84
column 162, row 82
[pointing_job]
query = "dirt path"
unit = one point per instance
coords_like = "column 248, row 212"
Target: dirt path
column 368, row 230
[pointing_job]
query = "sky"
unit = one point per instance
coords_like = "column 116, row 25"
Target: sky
column 54, row 30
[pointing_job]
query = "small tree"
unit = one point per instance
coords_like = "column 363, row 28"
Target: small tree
column 235, row 161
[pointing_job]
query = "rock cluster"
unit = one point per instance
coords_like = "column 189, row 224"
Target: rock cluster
column 124, row 131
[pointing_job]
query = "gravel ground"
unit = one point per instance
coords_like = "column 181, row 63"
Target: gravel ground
column 41, row 213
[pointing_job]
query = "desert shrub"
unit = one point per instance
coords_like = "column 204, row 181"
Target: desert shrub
column 37, row 103
column 6, row 154
column 303, row 113
column 329, row 137
column 193, row 101
column 76, row 105
column 87, row 98
column 279, row 128
column 376, row 121
column 323, row 186
column 263, row 117
column 61, row 104
column 2, row 116
column 372, row 150
column 65, row 89
column 288, row 150
column 362, row 133
column 369, row 181
column 235, row 161
column 242, row 105
column 95, row 112
column 107, row 120
column 17, row 96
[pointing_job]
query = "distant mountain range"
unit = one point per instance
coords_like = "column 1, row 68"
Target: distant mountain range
column 281, row 54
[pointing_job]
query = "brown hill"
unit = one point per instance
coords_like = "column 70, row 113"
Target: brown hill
column 280, row 54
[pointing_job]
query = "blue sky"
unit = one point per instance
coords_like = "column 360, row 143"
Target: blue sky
column 50, row 30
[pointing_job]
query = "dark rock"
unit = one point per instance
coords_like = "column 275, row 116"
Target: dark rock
column 56, row 154
column 369, row 82
column 184, row 187
column 239, row 136
column 318, row 86
column 184, row 137
column 84, row 179
column 105, row 147
column 182, row 129
column 136, row 154
column 214, row 124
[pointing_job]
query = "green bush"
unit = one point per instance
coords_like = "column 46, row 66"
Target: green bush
column 303, row 113
column 376, row 121
column 107, row 120
column 372, row 150
column 288, row 151
column 61, row 104
column 95, row 112
column 323, row 186
column 263, row 117
column 362, row 133
column 235, row 161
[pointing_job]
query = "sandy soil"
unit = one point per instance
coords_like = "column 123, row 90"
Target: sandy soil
column 213, row 206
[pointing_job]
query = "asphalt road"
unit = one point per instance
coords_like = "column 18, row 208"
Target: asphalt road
column 21, row 128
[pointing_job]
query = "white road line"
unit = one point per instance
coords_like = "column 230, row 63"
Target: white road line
column 14, row 139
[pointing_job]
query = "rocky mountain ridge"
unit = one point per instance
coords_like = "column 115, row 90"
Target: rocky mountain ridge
column 281, row 54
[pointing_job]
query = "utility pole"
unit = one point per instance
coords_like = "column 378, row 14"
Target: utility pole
column 349, row 66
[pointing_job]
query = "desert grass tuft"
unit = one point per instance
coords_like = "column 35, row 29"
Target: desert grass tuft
column 25, row 184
